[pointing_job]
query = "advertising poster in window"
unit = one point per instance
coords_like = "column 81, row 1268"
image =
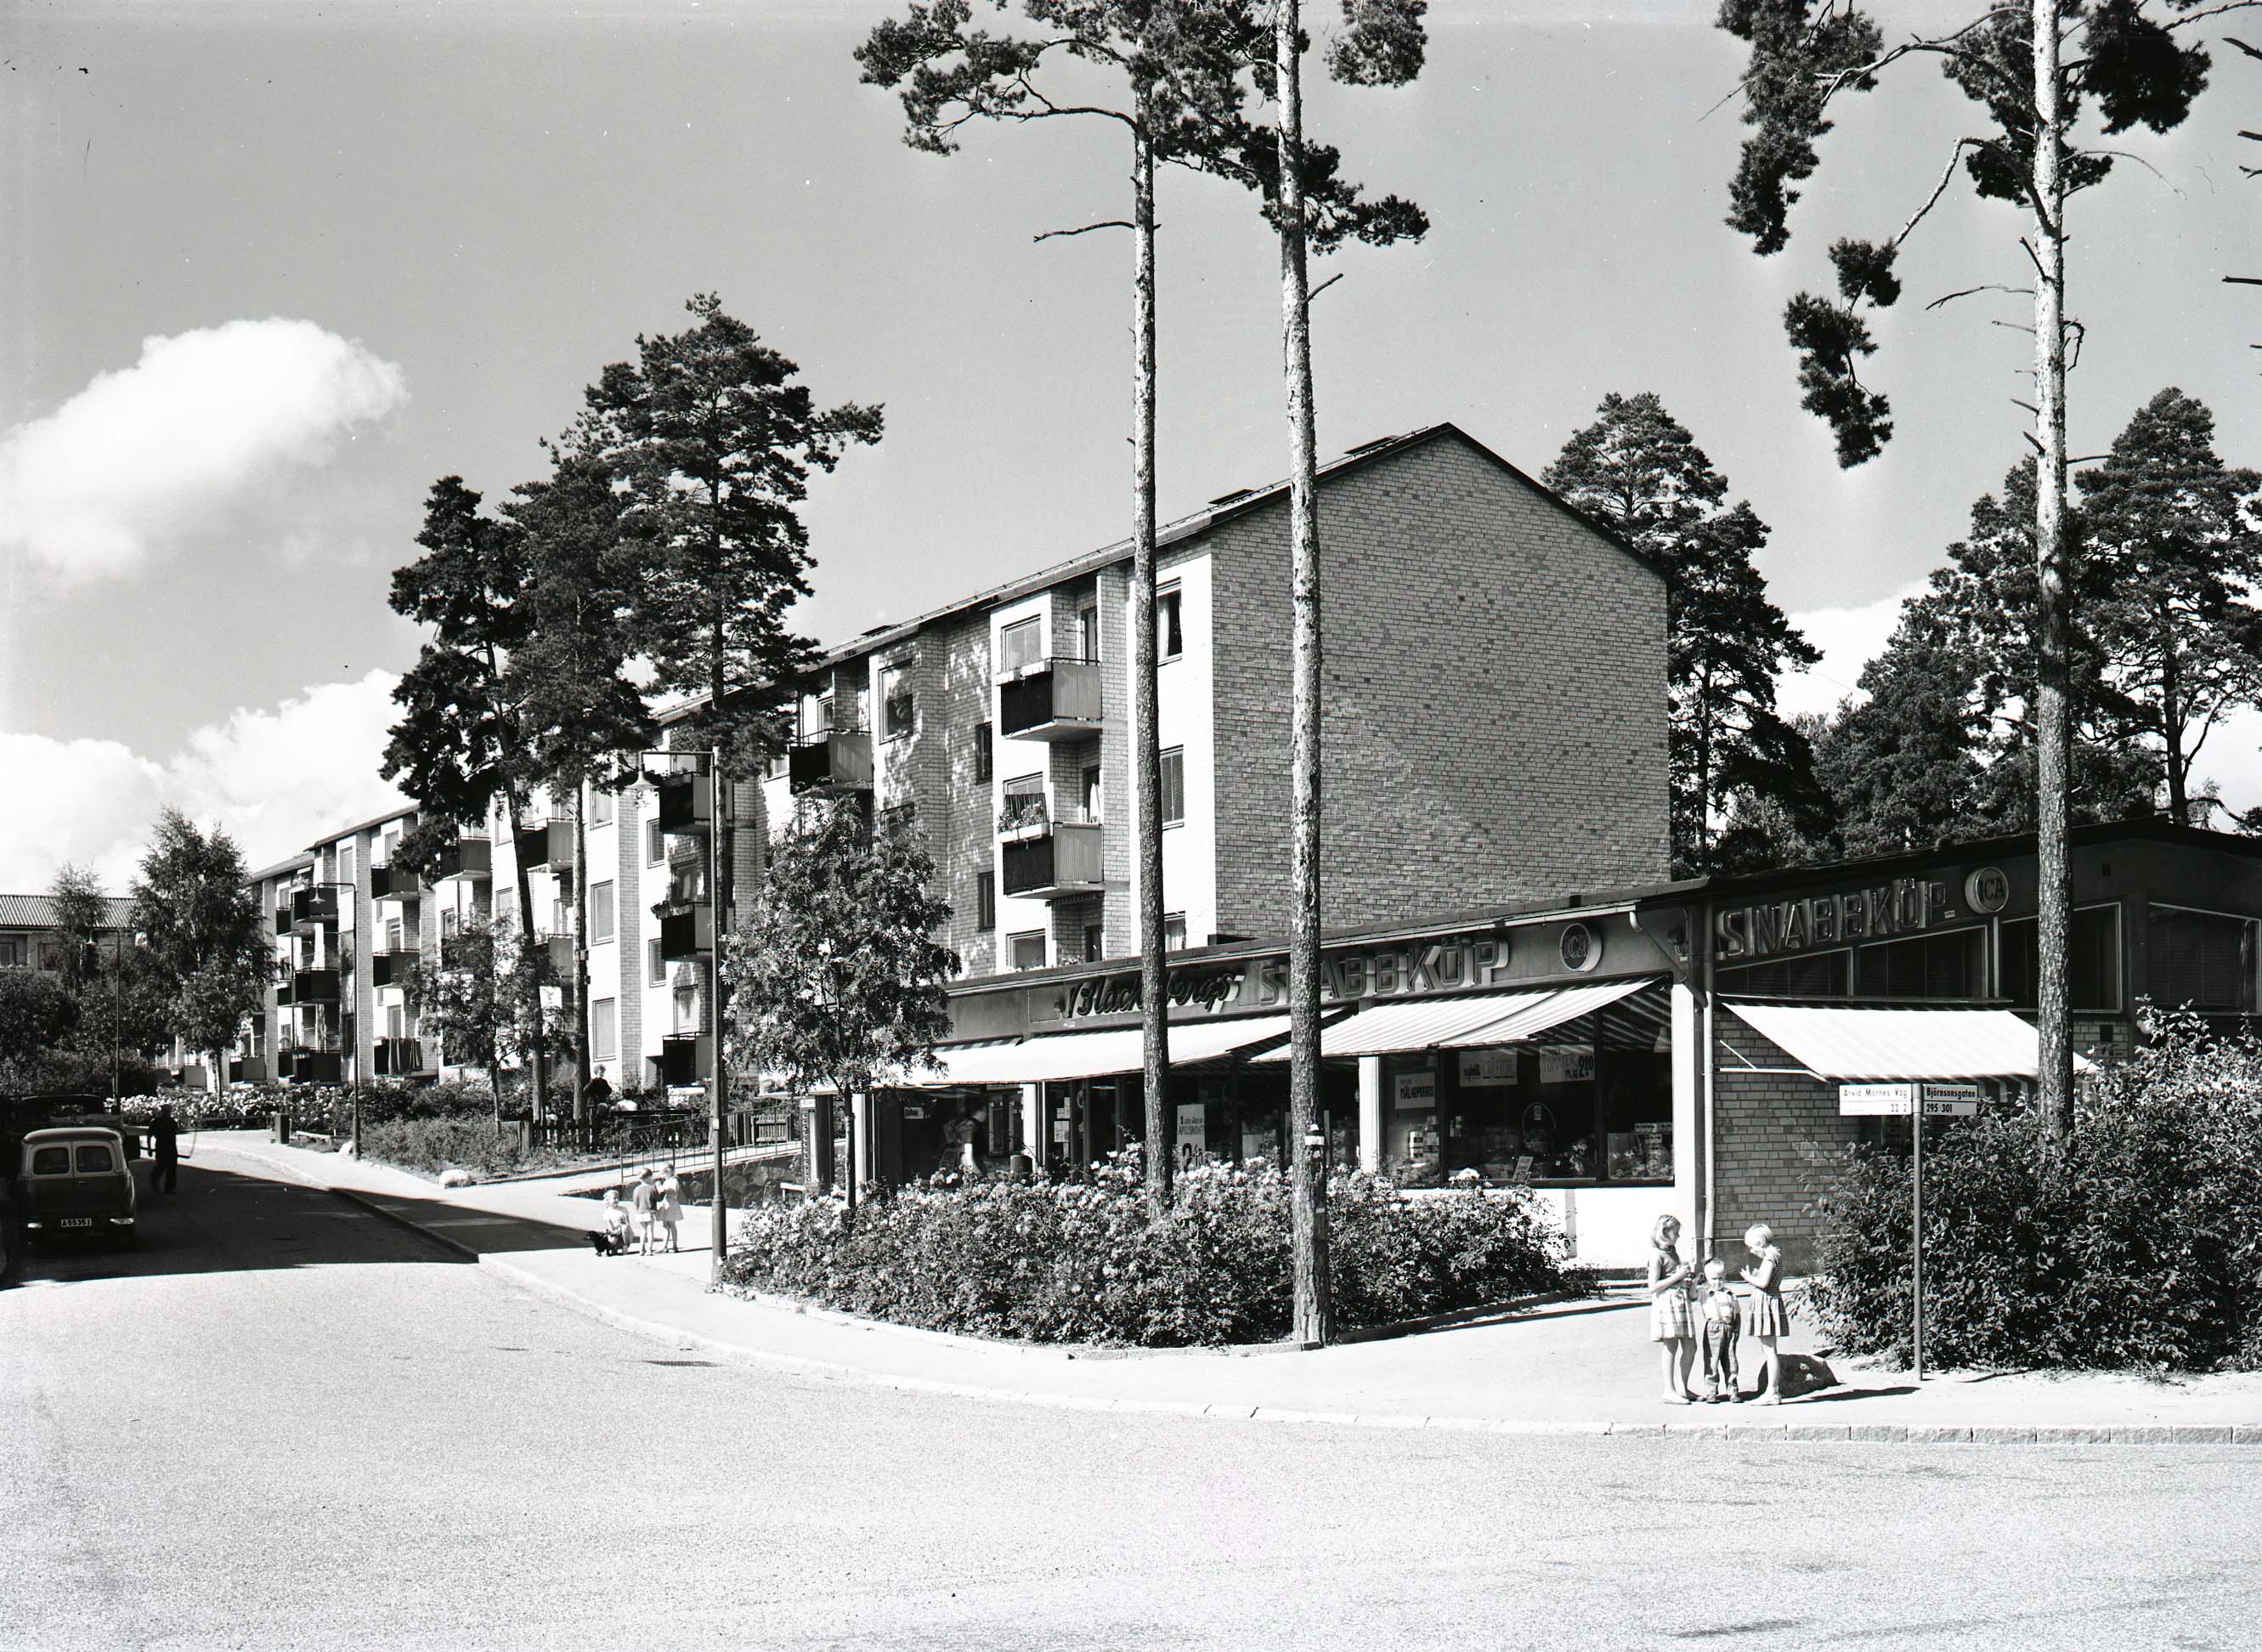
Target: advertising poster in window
column 1483, row 1069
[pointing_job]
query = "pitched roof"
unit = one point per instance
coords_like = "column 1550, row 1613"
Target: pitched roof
column 38, row 912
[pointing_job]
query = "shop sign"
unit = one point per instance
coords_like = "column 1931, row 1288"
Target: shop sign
column 1417, row 967
column 1486, row 1068
column 1906, row 906
column 1896, row 1100
column 1417, row 1090
column 1194, row 1127
column 1579, row 947
column 1566, row 1066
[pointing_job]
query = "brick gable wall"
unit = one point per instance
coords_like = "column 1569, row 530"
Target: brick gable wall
column 1774, row 1132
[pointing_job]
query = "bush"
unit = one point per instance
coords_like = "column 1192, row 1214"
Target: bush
column 430, row 1146
column 2136, row 1245
column 1047, row 1261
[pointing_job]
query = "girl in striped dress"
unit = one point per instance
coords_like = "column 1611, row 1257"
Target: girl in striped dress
column 1764, row 1316
column 1671, row 1324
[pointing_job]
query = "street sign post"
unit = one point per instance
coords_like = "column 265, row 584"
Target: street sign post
column 1914, row 1102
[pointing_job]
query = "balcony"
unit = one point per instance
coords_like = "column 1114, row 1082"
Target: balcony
column 833, row 760
column 466, row 857
column 397, row 1057
column 314, row 986
column 283, row 982
column 387, row 883
column 283, row 1064
column 687, row 803
column 1053, row 860
column 314, row 904
column 315, row 1066
column 1051, row 699
column 283, row 916
column 390, row 968
column 686, row 934
column 548, row 847
column 685, row 1059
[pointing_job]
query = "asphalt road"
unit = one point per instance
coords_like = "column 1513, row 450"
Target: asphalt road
column 282, row 1422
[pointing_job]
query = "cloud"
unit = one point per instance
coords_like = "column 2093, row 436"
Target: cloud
column 274, row 778
column 1850, row 638
column 144, row 456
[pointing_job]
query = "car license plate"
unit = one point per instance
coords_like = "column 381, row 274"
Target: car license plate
column 78, row 1221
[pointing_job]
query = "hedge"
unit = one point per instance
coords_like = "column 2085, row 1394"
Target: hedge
column 1090, row 1262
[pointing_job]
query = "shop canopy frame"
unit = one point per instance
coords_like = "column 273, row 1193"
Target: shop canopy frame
column 1061, row 1058
column 1874, row 1043
column 1465, row 1021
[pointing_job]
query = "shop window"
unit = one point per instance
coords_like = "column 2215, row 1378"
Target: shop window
column 1173, row 800
column 1817, row 975
column 2202, row 959
column 1026, row 951
column 985, row 900
column 604, row 1029
column 601, row 914
column 1021, row 644
column 1170, row 625
column 2093, row 964
column 600, row 807
column 1923, row 966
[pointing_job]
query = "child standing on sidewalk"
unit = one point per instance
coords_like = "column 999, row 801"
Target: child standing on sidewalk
column 669, row 1206
column 1723, row 1324
column 1670, row 1325
column 1768, row 1320
column 644, row 1198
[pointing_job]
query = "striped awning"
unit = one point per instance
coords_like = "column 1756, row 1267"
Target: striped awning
column 1064, row 1055
column 1464, row 1022
column 1841, row 1043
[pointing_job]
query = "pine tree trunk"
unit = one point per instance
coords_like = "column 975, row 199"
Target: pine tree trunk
column 2053, row 556
column 1308, row 1187
column 580, row 950
column 2172, row 724
column 1146, row 719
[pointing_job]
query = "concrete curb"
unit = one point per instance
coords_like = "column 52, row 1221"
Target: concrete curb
column 1735, row 1432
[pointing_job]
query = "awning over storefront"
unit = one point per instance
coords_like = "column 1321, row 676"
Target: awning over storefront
column 1464, row 1023
column 1063, row 1055
column 1845, row 1044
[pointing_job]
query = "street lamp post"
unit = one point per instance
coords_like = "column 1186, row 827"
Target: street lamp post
column 718, row 1086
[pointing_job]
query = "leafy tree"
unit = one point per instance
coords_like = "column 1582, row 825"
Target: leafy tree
column 36, row 1015
column 1638, row 471
column 463, row 740
column 2169, row 541
column 835, row 976
column 2010, row 60
column 206, row 935
column 82, row 919
column 483, row 999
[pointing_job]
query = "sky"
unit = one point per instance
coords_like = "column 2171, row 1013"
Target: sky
column 270, row 270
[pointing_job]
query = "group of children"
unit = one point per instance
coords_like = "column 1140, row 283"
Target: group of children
column 655, row 1202
column 1690, row 1309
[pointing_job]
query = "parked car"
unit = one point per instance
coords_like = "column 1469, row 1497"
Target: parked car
column 74, row 1182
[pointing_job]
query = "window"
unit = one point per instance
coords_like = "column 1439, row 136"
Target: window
column 346, row 865
column 1817, row 975
column 1170, row 627
column 985, row 743
column 895, row 702
column 1024, row 803
column 561, row 918
column 94, row 1159
column 1174, row 932
column 2092, row 972
column 15, row 952
column 600, row 807
column 1021, row 644
column 393, row 932
column 601, row 914
column 985, row 900
column 1092, row 791
column 655, row 842
column 506, row 908
column 51, row 1161
column 1087, row 630
column 687, row 1011
column 51, row 954
column 391, row 846
column 2200, row 958
column 655, row 963
column 1923, row 966
column 1173, row 800
column 604, row 1029
column 1095, row 942
column 1027, row 951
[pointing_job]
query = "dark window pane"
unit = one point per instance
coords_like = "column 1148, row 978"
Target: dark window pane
column 2202, row 959
column 1821, row 974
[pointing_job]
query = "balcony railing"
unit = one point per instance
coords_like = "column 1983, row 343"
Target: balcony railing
column 547, row 845
column 832, row 759
column 687, row 803
column 315, row 1066
column 314, row 904
column 466, row 857
column 1056, row 698
column 687, row 933
column 1027, row 815
column 391, row 967
column 397, row 1057
column 389, row 882
column 685, row 1059
column 1062, row 862
column 314, row 986
column 283, row 916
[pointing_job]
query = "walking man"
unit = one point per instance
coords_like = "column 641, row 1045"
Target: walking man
column 165, row 1142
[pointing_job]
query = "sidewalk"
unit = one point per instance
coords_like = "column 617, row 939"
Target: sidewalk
column 1575, row 1366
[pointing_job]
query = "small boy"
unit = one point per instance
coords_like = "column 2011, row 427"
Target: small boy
column 1723, row 1324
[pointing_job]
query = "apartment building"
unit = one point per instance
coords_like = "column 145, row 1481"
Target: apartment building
column 1493, row 692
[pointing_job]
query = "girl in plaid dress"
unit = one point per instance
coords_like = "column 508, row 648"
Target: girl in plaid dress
column 1671, row 1325
column 1765, row 1319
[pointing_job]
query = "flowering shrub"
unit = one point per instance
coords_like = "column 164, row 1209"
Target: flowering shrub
column 2138, row 1244
column 1047, row 1261
column 430, row 1146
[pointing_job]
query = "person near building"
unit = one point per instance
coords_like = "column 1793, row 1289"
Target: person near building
column 1768, row 1319
column 1723, row 1325
column 597, row 1095
column 643, row 1200
column 667, row 1205
column 165, row 1144
column 1670, row 1324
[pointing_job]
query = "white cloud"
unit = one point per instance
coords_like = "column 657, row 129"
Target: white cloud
column 275, row 778
column 1850, row 638
column 143, row 457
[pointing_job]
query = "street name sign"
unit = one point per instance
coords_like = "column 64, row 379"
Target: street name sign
column 1898, row 1101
